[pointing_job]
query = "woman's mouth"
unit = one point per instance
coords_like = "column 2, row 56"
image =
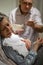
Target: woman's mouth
column 9, row 34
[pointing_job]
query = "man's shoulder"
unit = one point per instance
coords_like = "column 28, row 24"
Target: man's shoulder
column 15, row 10
column 35, row 10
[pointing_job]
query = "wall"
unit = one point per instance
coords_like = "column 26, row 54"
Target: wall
column 39, row 5
column 7, row 5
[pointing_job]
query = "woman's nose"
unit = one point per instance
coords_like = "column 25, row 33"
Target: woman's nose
column 8, row 28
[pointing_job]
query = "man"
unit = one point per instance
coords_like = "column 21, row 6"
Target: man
column 5, row 32
column 29, row 16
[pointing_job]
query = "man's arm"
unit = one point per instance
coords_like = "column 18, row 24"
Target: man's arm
column 36, row 22
column 36, row 27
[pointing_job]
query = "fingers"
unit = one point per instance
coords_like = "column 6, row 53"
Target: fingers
column 27, row 43
column 29, row 23
column 39, row 41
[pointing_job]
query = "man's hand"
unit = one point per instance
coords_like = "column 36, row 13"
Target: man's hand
column 30, row 23
column 35, row 26
column 37, row 44
column 39, row 41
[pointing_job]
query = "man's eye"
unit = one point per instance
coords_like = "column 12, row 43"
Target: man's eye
column 24, row 2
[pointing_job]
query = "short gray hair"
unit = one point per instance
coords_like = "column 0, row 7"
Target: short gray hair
column 20, row 1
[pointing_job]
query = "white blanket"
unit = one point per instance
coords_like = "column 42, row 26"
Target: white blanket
column 15, row 42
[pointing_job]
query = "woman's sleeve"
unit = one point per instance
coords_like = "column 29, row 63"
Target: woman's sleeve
column 19, row 59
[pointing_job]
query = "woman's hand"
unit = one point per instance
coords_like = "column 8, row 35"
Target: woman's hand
column 27, row 43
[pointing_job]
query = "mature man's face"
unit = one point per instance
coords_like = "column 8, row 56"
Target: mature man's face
column 5, row 28
column 26, row 5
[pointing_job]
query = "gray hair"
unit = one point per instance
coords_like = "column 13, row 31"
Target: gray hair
column 20, row 1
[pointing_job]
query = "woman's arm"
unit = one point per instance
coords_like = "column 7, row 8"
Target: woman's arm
column 20, row 60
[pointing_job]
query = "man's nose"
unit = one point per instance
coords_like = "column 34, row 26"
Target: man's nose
column 27, row 6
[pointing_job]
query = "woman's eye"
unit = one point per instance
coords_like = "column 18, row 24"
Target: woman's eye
column 7, row 24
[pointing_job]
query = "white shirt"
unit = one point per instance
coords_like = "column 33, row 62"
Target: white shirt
column 17, row 17
column 15, row 42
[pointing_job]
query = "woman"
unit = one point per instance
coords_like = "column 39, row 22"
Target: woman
column 6, row 32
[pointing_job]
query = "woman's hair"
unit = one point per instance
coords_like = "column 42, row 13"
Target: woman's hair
column 2, row 16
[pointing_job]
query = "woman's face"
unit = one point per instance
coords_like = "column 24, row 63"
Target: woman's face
column 5, row 28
